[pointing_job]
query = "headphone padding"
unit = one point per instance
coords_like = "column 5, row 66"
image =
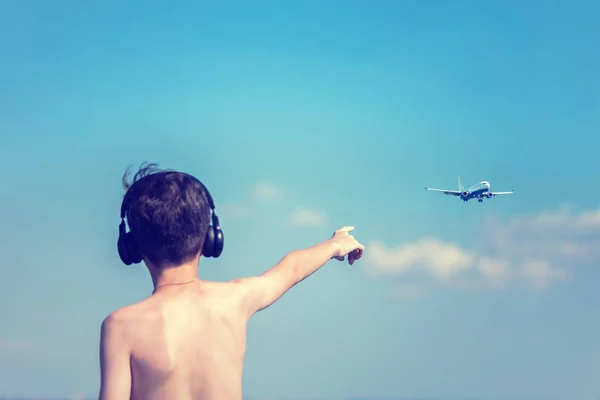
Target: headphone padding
column 122, row 250
column 132, row 250
column 209, row 242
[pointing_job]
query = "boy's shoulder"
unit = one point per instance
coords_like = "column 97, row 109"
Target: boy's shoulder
column 122, row 320
column 233, row 290
column 126, row 321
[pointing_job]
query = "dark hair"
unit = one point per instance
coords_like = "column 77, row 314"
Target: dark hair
column 168, row 214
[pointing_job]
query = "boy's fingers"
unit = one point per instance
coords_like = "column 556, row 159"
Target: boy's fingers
column 358, row 253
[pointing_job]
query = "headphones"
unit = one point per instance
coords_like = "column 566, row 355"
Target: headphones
column 213, row 243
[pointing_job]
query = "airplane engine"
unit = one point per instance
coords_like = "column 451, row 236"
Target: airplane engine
column 465, row 194
column 490, row 195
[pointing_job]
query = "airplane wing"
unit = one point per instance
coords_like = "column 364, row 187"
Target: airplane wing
column 446, row 192
column 498, row 193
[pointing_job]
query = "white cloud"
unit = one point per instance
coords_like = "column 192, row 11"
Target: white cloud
column 266, row 192
column 536, row 250
column 436, row 258
column 493, row 268
column 541, row 274
column 561, row 237
column 304, row 217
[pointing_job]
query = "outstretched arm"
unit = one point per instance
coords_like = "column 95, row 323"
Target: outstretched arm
column 262, row 291
column 115, row 371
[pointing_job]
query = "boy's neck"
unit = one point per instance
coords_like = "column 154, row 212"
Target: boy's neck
column 174, row 275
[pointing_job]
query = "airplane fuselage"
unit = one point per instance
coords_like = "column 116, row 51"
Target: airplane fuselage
column 478, row 191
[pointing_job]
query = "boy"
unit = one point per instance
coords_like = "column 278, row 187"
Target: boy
column 187, row 340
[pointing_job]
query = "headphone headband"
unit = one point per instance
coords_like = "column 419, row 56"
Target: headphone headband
column 211, row 203
column 124, row 205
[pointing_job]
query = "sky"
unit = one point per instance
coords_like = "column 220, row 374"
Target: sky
column 302, row 117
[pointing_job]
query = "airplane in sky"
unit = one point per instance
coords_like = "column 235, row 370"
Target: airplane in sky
column 478, row 191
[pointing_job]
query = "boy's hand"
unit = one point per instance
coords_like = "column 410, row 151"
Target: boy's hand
column 347, row 245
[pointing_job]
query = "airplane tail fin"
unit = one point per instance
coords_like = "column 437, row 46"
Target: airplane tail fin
column 460, row 185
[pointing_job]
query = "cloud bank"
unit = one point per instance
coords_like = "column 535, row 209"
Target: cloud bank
column 537, row 251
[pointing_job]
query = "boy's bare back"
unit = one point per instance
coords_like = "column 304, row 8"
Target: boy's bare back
column 188, row 340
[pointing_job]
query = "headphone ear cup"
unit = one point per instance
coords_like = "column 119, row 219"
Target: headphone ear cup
column 209, row 242
column 219, row 242
column 122, row 248
column 134, row 255
column 127, row 250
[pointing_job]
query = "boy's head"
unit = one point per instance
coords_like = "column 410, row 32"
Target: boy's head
column 168, row 214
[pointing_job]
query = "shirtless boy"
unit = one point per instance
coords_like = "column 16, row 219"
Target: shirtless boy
column 187, row 340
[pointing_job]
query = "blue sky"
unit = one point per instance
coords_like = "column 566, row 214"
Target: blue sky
column 302, row 117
